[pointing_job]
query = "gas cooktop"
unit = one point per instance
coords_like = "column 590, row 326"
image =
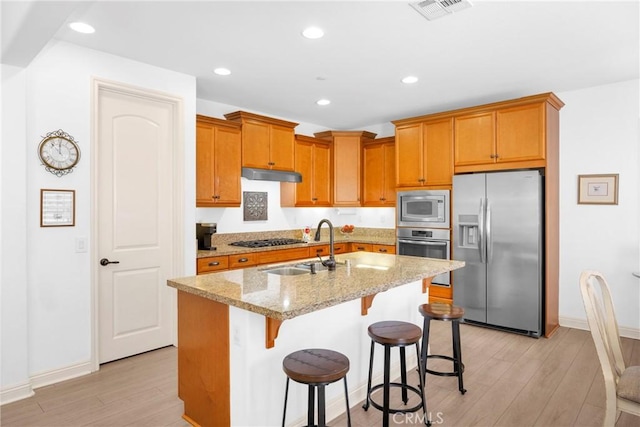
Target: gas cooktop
column 265, row 243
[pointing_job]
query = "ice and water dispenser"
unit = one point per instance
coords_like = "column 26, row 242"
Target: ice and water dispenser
column 468, row 231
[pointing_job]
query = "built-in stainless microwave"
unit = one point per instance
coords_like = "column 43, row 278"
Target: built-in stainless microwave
column 423, row 208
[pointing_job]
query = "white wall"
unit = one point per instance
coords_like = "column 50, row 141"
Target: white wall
column 14, row 331
column 58, row 280
column 599, row 134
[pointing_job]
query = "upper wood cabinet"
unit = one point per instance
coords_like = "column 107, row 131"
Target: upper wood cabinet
column 347, row 164
column 506, row 135
column 267, row 143
column 313, row 162
column 218, row 148
column 378, row 176
column 424, row 152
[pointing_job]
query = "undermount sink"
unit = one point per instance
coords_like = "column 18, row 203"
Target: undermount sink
column 286, row 271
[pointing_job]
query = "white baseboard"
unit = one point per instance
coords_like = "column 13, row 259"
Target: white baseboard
column 15, row 393
column 62, row 374
column 22, row 391
column 571, row 322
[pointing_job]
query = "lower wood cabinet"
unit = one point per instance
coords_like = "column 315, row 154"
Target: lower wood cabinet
column 364, row 247
column 229, row 262
column 385, row 249
column 211, row 264
column 243, row 260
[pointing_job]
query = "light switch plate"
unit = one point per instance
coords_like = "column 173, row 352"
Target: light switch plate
column 81, row 244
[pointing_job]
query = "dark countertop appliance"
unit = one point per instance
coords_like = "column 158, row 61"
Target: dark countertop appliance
column 266, row 242
column 204, row 232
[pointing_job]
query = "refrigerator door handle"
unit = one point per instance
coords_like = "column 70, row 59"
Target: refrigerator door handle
column 488, row 234
column 481, row 243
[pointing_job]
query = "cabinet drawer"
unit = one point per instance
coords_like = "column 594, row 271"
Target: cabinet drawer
column 243, row 260
column 325, row 250
column 355, row 247
column 282, row 255
column 215, row 263
column 385, row 249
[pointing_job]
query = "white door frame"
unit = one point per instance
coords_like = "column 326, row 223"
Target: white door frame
column 177, row 173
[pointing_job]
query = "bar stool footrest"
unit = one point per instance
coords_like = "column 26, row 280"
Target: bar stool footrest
column 395, row 410
column 453, row 373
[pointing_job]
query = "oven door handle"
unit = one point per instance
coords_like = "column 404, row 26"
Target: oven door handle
column 421, row 242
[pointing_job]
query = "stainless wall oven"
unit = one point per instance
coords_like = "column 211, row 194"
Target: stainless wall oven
column 423, row 208
column 426, row 243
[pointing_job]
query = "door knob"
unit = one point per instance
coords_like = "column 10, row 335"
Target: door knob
column 105, row 261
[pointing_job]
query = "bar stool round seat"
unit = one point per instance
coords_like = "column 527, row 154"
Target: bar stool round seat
column 395, row 334
column 447, row 313
column 316, row 368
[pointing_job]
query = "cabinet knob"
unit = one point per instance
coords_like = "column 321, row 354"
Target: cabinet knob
column 382, row 250
column 315, row 199
column 214, row 264
column 243, row 260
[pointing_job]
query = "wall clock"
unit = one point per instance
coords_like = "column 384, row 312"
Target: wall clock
column 59, row 153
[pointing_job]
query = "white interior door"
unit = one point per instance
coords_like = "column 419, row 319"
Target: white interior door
column 134, row 144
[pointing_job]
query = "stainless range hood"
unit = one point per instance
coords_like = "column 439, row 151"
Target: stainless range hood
column 271, row 175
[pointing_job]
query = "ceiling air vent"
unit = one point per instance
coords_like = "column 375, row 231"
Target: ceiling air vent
column 434, row 9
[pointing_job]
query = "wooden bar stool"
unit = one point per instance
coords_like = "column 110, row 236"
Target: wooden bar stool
column 446, row 313
column 395, row 334
column 317, row 368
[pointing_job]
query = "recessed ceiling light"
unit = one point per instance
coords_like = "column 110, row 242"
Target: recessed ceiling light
column 81, row 27
column 410, row 79
column 313, row 33
column 323, row 102
column 222, row 71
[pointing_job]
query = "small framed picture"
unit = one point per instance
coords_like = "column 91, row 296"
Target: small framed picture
column 57, row 208
column 598, row 189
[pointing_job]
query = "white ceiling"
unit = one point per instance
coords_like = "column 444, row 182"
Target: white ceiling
column 493, row 51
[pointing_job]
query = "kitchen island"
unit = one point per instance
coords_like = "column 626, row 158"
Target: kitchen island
column 229, row 366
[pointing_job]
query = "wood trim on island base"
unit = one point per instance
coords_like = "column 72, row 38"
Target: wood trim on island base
column 203, row 360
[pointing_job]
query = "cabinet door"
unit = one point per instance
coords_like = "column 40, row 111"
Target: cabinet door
column 475, row 139
column 373, row 163
column 227, row 160
column 255, row 144
column 346, row 186
column 304, row 165
column 409, row 155
column 389, row 170
column 204, row 165
column 281, row 148
column 438, row 152
column 520, row 133
column 321, row 175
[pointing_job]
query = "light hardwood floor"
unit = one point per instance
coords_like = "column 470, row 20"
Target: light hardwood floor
column 511, row 380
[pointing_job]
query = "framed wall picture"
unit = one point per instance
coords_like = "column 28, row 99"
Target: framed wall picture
column 598, row 189
column 57, row 208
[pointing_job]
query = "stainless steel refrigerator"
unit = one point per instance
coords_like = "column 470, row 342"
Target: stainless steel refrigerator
column 498, row 232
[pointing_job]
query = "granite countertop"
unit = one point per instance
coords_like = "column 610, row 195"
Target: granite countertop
column 285, row 297
column 362, row 235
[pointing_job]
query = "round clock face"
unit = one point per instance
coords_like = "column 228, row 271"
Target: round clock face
column 59, row 153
